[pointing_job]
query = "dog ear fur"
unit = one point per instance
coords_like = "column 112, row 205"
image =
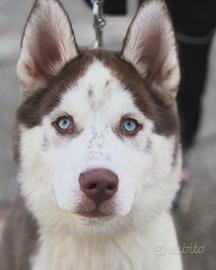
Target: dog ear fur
column 150, row 47
column 48, row 43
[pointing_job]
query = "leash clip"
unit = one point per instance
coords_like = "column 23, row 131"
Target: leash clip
column 99, row 22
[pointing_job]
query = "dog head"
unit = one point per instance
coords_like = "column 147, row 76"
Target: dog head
column 99, row 132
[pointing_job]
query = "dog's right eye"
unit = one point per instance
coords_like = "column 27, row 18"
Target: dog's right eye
column 64, row 124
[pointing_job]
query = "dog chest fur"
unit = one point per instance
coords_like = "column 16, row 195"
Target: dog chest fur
column 145, row 249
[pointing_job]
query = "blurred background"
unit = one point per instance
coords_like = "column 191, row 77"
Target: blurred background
column 196, row 220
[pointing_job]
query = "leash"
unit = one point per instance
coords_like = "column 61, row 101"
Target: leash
column 99, row 22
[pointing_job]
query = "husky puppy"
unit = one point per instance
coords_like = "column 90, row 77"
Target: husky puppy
column 98, row 146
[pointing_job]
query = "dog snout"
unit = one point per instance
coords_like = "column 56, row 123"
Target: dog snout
column 99, row 184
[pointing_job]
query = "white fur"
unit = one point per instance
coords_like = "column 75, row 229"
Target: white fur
column 49, row 15
column 152, row 20
column 135, row 249
column 50, row 169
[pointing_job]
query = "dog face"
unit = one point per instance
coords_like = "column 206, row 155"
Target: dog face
column 98, row 130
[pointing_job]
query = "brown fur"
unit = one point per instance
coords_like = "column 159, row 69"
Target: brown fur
column 19, row 238
column 152, row 103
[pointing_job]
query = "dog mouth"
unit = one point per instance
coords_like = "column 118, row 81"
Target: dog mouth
column 93, row 214
column 89, row 209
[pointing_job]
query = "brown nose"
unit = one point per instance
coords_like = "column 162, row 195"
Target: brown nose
column 99, row 184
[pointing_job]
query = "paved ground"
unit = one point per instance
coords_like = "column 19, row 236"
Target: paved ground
column 198, row 224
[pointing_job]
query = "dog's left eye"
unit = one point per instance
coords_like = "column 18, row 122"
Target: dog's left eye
column 130, row 126
column 64, row 124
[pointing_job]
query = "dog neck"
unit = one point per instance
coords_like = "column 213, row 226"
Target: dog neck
column 126, row 250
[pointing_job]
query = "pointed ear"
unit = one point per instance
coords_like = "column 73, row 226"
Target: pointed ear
column 150, row 47
column 48, row 44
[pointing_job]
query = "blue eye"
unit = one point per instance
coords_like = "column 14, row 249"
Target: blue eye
column 64, row 123
column 130, row 126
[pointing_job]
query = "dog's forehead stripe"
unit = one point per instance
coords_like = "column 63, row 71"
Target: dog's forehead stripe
column 102, row 96
column 151, row 104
